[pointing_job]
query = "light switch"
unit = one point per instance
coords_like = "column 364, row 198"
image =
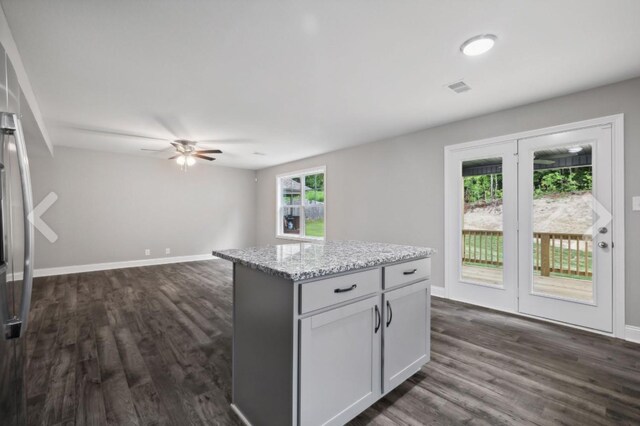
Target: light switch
column 635, row 204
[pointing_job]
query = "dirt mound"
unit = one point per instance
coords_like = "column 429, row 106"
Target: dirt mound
column 562, row 213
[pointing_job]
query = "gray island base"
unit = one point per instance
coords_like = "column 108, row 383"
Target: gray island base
column 322, row 331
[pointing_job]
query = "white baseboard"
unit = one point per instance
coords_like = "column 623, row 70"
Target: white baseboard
column 632, row 333
column 74, row 269
column 437, row 291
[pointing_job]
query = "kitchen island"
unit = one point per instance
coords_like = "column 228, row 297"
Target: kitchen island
column 322, row 331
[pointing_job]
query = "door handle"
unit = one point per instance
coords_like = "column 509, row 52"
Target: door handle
column 410, row 272
column 10, row 125
column 603, row 245
column 390, row 313
column 378, row 320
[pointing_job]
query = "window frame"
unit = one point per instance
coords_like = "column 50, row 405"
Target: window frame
column 300, row 174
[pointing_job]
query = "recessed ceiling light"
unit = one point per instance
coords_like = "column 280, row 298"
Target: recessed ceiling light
column 575, row 149
column 478, row 45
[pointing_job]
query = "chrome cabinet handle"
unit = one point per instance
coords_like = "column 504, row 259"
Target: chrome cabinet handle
column 10, row 125
column 344, row 290
column 410, row 272
column 378, row 320
column 390, row 313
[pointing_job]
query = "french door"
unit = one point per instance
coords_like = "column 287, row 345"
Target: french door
column 529, row 226
column 565, row 266
column 485, row 270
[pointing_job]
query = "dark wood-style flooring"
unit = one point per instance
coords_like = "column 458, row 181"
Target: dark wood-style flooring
column 152, row 345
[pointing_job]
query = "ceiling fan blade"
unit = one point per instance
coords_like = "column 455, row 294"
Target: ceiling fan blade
column 178, row 146
column 175, row 156
column 109, row 132
column 157, row 150
column 555, row 156
column 208, row 151
column 204, row 157
column 172, row 125
column 231, row 141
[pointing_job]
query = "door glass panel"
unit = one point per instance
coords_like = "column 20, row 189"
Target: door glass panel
column 562, row 223
column 314, row 205
column 482, row 218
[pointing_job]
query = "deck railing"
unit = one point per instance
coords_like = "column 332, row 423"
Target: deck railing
column 561, row 253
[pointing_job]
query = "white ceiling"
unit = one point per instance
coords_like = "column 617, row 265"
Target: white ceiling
column 293, row 79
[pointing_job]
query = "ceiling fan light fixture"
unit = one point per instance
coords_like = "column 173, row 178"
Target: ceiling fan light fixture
column 575, row 149
column 190, row 161
column 181, row 160
column 478, row 45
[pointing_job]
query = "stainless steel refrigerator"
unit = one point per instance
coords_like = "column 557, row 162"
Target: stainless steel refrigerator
column 16, row 249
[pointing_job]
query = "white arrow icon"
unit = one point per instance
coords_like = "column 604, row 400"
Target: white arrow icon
column 36, row 220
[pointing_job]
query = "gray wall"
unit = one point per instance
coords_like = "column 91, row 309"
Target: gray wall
column 111, row 207
column 392, row 190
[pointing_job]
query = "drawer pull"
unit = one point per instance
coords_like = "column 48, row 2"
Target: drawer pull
column 410, row 272
column 344, row 290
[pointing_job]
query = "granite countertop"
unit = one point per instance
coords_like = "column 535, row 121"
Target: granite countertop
column 303, row 261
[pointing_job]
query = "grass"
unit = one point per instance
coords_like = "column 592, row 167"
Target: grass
column 314, row 196
column 493, row 244
column 314, row 228
column 294, row 199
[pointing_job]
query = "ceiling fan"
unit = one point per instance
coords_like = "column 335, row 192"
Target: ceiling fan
column 187, row 152
column 551, row 159
column 544, row 161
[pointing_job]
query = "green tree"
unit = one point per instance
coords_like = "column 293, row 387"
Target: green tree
column 314, row 190
column 562, row 180
column 488, row 187
column 483, row 188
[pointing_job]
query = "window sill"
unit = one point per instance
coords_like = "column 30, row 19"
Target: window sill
column 301, row 239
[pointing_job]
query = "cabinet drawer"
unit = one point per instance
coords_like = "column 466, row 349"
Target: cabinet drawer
column 403, row 273
column 327, row 292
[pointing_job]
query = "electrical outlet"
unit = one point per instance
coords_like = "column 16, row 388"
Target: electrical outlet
column 147, row 252
column 635, row 204
column 167, row 251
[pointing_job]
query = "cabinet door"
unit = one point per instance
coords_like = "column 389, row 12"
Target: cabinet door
column 340, row 363
column 407, row 330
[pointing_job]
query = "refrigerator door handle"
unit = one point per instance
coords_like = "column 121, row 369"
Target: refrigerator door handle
column 10, row 124
column 4, row 296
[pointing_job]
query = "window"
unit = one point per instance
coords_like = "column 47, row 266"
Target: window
column 301, row 204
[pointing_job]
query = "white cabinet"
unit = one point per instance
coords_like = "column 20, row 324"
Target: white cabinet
column 340, row 366
column 406, row 343
column 320, row 352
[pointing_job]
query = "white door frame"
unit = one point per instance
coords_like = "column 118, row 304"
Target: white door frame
column 617, row 141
